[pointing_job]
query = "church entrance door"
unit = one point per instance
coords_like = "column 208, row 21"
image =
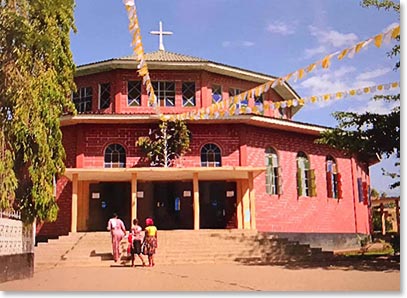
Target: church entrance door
column 217, row 205
column 105, row 199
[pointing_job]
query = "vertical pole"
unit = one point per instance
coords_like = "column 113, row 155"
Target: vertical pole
column 196, row 201
column 74, row 211
column 239, row 211
column 133, row 196
column 252, row 202
column 397, row 201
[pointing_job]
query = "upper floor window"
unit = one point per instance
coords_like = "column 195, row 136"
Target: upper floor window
column 188, row 94
column 115, row 156
column 104, row 95
column 258, row 100
column 305, row 177
column 234, row 92
column 216, row 93
column 273, row 176
column 211, row 156
column 333, row 183
column 83, row 99
column 165, row 92
column 134, row 93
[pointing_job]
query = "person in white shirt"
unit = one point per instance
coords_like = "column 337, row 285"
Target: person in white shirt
column 117, row 230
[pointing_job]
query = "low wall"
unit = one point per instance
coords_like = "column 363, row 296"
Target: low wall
column 16, row 250
column 327, row 241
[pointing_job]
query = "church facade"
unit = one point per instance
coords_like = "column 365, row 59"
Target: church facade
column 243, row 171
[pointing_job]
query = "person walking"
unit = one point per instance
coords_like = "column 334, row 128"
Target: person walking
column 150, row 240
column 117, row 231
column 137, row 238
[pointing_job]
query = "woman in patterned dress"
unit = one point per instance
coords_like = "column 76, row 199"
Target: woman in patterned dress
column 150, row 240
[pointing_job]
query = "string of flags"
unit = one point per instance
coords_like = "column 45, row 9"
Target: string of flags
column 378, row 40
column 228, row 108
column 138, row 50
column 234, row 105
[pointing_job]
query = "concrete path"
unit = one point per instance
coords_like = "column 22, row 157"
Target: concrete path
column 216, row 277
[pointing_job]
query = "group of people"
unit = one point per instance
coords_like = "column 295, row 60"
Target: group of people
column 139, row 244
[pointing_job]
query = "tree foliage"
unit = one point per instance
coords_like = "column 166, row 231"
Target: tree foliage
column 36, row 80
column 166, row 143
column 371, row 135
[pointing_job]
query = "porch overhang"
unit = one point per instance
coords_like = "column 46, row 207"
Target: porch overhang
column 163, row 174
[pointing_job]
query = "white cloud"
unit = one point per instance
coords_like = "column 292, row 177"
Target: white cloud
column 281, row 28
column 237, row 44
column 374, row 106
column 315, row 51
column 373, row 74
column 332, row 37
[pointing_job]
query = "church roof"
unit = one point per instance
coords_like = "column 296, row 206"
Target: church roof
column 165, row 56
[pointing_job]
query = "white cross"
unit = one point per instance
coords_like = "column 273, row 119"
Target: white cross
column 161, row 33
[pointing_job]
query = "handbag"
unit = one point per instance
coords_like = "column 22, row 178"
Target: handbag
column 144, row 249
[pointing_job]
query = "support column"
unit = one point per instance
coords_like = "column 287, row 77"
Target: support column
column 133, row 196
column 196, row 201
column 246, row 204
column 74, row 210
column 383, row 217
column 239, row 209
column 252, row 202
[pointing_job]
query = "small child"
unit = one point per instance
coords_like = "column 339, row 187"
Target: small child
column 136, row 239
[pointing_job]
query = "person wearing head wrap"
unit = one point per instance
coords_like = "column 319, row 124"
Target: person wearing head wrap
column 150, row 240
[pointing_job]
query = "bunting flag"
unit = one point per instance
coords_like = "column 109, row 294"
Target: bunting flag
column 378, row 40
column 138, row 50
column 222, row 110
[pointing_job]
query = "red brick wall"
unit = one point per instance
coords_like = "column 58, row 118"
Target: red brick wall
column 290, row 213
column 203, row 84
column 240, row 145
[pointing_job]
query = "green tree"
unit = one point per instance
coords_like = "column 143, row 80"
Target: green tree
column 36, row 80
column 166, row 143
column 371, row 135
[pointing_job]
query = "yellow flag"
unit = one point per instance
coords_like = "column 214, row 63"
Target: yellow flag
column 366, row 90
column 143, row 71
column 301, row 101
column 395, row 32
column 327, row 96
column 287, row 77
column 359, row 46
column 266, row 106
column 380, row 87
column 394, row 85
column 378, row 39
column 310, row 67
column 300, row 73
column 352, row 92
column 343, row 54
column 339, row 95
column 326, row 61
column 289, row 103
column 277, row 104
column 313, row 98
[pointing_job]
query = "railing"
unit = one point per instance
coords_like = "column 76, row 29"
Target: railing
column 10, row 214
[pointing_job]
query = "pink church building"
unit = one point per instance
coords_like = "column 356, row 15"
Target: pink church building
column 244, row 171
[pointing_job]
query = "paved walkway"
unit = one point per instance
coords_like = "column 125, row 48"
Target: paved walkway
column 219, row 277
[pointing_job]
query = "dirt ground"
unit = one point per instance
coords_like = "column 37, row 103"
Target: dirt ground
column 381, row 275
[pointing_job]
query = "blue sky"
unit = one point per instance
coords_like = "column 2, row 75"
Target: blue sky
column 268, row 36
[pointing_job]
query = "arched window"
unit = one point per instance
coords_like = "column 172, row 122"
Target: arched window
column 115, row 156
column 211, row 156
column 333, row 183
column 305, row 176
column 273, row 177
